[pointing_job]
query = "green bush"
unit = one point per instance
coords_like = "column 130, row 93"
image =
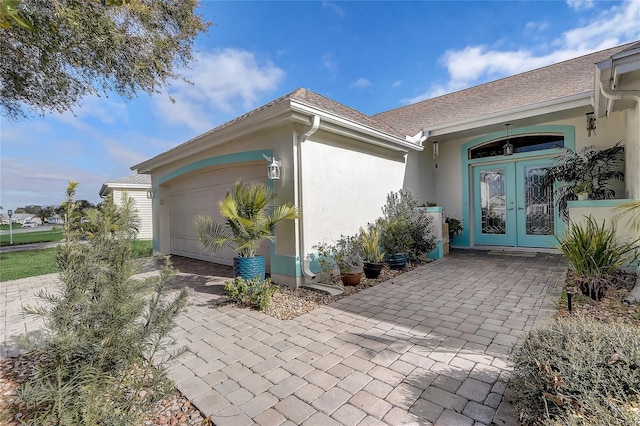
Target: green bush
column 102, row 329
column 255, row 292
column 594, row 253
column 401, row 216
column 578, row 371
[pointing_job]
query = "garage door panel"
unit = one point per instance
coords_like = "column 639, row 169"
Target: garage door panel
column 200, row 194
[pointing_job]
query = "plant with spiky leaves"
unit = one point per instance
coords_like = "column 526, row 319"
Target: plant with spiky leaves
column 105, row 331
column 249, row 219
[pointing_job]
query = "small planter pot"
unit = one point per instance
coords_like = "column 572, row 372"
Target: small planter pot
column 351, row 279
column 396, row 261
column 583, row 196
column 249, row 267
column 372, row 270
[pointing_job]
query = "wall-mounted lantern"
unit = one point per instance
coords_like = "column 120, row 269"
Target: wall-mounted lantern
column 436, row 150
column 508, row 147
column 591, row 124
column 273, row 168
column 151, row 194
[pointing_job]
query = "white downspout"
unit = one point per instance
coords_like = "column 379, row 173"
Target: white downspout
column 315, row 123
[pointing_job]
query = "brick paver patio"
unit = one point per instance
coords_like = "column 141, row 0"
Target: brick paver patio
column 429, row 347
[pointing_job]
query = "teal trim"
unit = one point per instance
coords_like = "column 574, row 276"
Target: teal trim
column 155, row 212
column 238, row 157
column 599, row 203
column 464, row 240
column 283, row 264
column 436, row 209
column 438, row 252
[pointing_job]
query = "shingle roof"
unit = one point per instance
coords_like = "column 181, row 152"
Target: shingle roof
column 549, row 83
column 138, row 179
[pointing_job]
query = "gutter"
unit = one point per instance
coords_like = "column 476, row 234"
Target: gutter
column 304, row 265
column 617, row 95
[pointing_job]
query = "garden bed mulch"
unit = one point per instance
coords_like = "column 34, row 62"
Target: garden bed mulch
column 611, row 308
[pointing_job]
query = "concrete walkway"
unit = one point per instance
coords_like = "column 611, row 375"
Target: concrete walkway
column 429, row 347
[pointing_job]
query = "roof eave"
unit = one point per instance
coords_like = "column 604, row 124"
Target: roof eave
column 345, row 127
column 519, row 113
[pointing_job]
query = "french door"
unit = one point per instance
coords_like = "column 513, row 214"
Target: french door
column 513, row 206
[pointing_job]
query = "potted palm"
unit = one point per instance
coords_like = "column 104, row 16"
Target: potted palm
column 248, row 219
column 591, row 170
column 372, row 254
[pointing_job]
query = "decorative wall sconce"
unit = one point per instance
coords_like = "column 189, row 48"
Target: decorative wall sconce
column 151, row 194
column 273, row 169
column 508, row 148
column 436, row 151
column 591, row 124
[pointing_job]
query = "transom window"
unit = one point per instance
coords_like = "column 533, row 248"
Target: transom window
column 521, row 143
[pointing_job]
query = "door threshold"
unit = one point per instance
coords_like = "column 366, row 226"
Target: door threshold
column 512, row 249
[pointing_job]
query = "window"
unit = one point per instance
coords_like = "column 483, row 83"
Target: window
column 521, row 143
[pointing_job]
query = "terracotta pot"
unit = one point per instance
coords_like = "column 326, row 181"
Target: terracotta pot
column 351, row 279
column 372, row 270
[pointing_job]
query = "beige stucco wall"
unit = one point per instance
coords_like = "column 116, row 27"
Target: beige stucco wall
column 276, row 139
column 420, row 174
column 632, row 172
column 344, row 185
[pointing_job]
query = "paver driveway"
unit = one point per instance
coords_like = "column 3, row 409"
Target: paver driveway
column 430, row 346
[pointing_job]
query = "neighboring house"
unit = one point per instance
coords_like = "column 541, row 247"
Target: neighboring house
column 138, row 187
column 338, row 164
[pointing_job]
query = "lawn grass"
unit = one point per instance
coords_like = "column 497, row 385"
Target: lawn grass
column 32, row 237
column 31, row 263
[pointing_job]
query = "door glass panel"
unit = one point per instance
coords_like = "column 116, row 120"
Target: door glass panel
column 538, row 203
column 493, row 201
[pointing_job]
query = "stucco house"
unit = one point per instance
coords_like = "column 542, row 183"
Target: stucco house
column 137, row 187
column 338, row 164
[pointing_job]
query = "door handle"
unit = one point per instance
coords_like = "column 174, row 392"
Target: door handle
column 510, row 208
column 520, row 208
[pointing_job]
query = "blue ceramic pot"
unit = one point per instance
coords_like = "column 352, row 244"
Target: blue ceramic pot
column 249, row 267
column 396, row 261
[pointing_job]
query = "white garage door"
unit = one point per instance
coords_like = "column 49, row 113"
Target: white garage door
column 200, row 194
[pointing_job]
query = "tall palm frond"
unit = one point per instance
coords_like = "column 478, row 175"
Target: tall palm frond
column 248, row 220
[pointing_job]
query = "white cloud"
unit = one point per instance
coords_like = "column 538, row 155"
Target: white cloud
column 580, row 5
column 396, row 84
column 106, row 110
column 330, row 62
column 223, row 81
column 360, row 83
column 334, row 8
column 537, row 26
column 478, row 63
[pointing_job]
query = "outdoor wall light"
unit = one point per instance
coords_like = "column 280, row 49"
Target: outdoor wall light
column 273, row 169
column 591, row 124
column 436, row 150
column 508, row 148
column 151, row 194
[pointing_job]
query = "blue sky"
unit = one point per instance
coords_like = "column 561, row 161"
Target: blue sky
column 372, row 56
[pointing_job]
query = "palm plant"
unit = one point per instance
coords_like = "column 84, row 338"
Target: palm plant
column 248, row 220
column 590, row 168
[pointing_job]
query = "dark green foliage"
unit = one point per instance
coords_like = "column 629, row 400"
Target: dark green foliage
column 406, row 225
column 255, row 292
column 103, row 328
column 70, row 49
column 594, row 253
column 591, row 169
column 577, row 371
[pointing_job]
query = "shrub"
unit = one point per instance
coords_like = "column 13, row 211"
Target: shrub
column 102, row 330
column 401, row 211
column 594, row 253
column 578, row 371
column 254, row 292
